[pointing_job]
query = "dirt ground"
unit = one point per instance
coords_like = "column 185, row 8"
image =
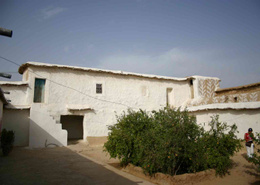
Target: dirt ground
column 82, row 164
column 242, row 173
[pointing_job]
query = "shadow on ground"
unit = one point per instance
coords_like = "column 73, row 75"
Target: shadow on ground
column 54, row 166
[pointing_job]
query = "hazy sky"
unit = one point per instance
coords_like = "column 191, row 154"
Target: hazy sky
column 170, row 38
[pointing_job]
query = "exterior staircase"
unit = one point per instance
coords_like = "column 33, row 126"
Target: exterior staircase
column 44, row 130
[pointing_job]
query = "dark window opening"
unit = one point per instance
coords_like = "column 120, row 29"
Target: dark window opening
column 74, row 125
column 235, row 99
column 39, row 90
column 99, row 88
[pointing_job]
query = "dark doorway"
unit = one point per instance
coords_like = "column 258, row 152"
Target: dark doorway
column 74, row 125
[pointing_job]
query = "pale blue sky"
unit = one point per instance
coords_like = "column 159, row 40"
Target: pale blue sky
column 170, row 38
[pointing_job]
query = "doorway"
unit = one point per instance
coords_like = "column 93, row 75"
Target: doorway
column 74, row 125
column 169, row 98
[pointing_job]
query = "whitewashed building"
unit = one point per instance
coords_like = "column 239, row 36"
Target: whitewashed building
column 54, row 103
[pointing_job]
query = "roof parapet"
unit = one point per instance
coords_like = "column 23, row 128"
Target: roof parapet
column 239, row 87
column 23, row 67
column 13, row 83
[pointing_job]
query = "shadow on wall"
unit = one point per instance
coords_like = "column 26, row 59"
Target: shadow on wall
column 55, row 166
column 18, row 121
column 40, row 138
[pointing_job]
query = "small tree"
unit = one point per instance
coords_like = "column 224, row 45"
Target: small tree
column 7, row 140
column 171, row 142
column 220, row 143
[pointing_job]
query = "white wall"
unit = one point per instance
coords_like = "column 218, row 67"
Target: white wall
column 74, row 87
column 18, row 121
column 18, row 94
column 44, row 130
column 244, row 119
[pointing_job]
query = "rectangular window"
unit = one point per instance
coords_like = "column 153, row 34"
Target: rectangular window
column 39, row 89
column 99, row 88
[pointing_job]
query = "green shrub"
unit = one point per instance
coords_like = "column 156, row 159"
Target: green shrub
column 171, row 142
column 7, row 140
column 220, row 143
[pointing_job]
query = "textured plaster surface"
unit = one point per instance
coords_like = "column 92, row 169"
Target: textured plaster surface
column 67, row 90
column 244, row 119
column 44, row 130
column 18, row 94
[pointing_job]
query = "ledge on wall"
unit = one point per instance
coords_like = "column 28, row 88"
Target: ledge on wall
column 14, row 83
column 78, row 107
column 225, row 106
column 17, row 107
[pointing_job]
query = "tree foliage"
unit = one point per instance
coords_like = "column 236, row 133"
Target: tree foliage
column 171, row 142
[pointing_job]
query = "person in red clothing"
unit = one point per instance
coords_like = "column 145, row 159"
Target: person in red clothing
column 249, row 142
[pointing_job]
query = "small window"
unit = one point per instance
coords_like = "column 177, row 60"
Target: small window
column 99, row 88
column 39, row 90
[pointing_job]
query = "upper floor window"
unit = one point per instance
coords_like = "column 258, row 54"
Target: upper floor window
column 99, row 88
column 39, row 90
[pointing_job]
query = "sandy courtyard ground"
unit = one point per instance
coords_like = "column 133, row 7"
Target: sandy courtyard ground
column 81, row 164
column 242, row 173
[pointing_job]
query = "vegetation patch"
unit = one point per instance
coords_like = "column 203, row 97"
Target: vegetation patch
column 171, row 142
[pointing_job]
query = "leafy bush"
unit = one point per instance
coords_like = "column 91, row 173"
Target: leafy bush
column 7, row 140
column 220, row 145
column 170, row 141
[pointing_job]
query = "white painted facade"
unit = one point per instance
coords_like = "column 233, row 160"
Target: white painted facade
column 244, row 119
column 72, row 91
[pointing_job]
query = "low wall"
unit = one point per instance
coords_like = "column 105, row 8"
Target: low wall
column 244, row 119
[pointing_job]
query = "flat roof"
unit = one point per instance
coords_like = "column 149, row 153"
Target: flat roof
column 23, row 67
column 13, row 83
column 226, row 106
column 239, row 87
